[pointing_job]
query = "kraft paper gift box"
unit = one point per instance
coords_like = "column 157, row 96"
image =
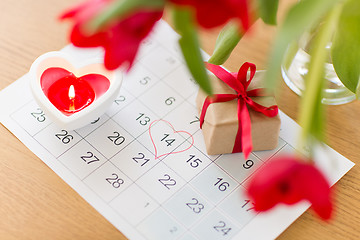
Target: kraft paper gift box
column 220, row 125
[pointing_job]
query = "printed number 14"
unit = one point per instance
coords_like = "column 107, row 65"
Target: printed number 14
column 168, row 140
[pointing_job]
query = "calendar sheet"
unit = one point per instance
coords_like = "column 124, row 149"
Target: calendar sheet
column 143, row 164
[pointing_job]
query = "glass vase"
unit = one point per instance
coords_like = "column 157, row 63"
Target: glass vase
column 295, row 68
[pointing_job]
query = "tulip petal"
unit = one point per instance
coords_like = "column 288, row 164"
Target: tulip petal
column 214, row 13
column 289, row 180
column 120, row 39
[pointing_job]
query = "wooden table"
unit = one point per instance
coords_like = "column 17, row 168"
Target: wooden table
column 37, row 204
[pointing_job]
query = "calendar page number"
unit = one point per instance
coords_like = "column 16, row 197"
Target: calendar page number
column 117, row 139
column 168, row 140
column 145, row 80
column 222, row 185
column 246, row 206
column 119, row 100
column 115, row 181
column 39, row 115
column 193, row 161
column 195, row 205
column 141, row 159
column 197, row 119
column 167, row 181
column 64, row 136
column 169, row 101
column 248, row 164
column 90, row 158
column 221, row 227
column 143, row 119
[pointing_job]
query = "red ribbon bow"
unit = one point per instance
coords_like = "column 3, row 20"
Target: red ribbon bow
column 239, row 82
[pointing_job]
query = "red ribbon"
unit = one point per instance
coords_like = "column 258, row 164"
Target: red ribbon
column 238, row 82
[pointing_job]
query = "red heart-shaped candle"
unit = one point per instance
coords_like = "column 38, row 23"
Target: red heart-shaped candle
column 70, row 94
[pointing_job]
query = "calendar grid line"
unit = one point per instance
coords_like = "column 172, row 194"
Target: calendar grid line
column 235, row 221
column 145, row 187
column 134, row 182
column 18, row 108
column 231, row 175
column 127, row 133
column 45, row 146
column 215, row 206
column 198, row 220
column 160, row 46
column 273, row 154
column 204, row 153
column 119, row 95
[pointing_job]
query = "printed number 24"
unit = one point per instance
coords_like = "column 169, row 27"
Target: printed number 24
column 221, row 227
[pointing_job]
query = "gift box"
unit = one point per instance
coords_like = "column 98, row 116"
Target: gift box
column 240, row 116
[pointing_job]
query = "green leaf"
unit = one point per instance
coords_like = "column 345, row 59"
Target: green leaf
column 268, row 10
column 118, row 9
column 345, row 50
column 311, row 110
column 189, row 44
column 358, row 90
column 299, row 18
column 227, row 40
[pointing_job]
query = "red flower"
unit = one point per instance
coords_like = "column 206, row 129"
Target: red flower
column 288, row 180
column 120, row 40
column 213, row 13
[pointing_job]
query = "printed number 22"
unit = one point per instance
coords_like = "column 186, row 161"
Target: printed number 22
column 167, row 181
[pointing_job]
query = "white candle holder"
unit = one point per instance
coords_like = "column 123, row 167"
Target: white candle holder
column 89, row 113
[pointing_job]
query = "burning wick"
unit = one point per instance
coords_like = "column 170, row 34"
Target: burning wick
column 72, row 98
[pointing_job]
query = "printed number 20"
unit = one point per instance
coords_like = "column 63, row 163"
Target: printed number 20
column 117, row 139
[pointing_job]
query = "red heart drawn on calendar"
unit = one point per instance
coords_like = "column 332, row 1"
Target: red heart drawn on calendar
column 166, row 140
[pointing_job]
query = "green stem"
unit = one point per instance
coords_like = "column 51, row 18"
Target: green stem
column 227, row 40
column 314, row 80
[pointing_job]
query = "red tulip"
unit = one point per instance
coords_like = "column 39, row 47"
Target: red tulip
column 120, row 40
column 288, row 180
column 213, row 13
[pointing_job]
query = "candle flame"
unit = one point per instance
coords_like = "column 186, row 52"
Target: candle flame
column 71, row 92
column 72, row 98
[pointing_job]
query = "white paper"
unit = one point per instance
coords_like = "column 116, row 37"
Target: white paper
column 148, row 193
